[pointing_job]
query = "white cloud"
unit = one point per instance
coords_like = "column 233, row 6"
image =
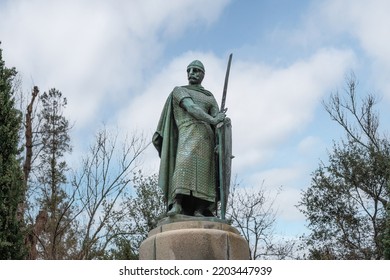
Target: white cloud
column 286, row 180
column 283, row 199
column 267, row 104
column 286, row 202
column 361, row 25
column 279, row 176
column 310, row 145
column 367, row 20
column 95, row 52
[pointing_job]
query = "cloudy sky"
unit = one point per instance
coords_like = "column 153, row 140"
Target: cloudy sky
column 116, row 62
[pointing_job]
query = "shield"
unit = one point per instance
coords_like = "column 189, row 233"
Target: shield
column 224, row 162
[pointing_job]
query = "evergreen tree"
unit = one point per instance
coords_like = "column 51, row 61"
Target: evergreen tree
column 58, row 240
column 11, row 178
column 386, row 238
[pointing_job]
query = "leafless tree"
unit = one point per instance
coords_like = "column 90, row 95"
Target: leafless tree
column 102, row 183
column 252, row 212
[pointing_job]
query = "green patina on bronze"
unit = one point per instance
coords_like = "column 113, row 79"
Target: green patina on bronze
column 185, row 140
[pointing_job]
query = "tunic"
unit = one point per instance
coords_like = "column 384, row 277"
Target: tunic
column 186, row 146
column 195, row 171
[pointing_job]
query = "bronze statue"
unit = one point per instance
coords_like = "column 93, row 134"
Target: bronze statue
column 186, row 142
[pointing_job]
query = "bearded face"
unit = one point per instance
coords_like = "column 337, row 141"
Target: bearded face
column 195, row 76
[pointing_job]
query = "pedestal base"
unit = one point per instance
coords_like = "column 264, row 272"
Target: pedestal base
column 194, row 240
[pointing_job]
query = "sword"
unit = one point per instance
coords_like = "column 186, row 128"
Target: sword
column 220, row 138
column 223, row 110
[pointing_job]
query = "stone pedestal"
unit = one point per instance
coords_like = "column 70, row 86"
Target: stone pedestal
column 194, row 240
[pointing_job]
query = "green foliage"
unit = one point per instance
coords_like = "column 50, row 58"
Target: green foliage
column 55, row 140
column 145, row 209
column 11, row 178
column 386, row 237
column 123, row 250
column 346, row 203
column 343, row 205
column 58, row 240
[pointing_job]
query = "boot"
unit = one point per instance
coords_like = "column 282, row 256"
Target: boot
column 198, row 213
column 176, row 209
column 203, row 210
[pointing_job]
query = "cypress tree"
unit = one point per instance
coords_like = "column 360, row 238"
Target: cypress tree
column 11, row 178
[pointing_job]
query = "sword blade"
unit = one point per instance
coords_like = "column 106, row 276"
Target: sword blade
column 226, row 84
